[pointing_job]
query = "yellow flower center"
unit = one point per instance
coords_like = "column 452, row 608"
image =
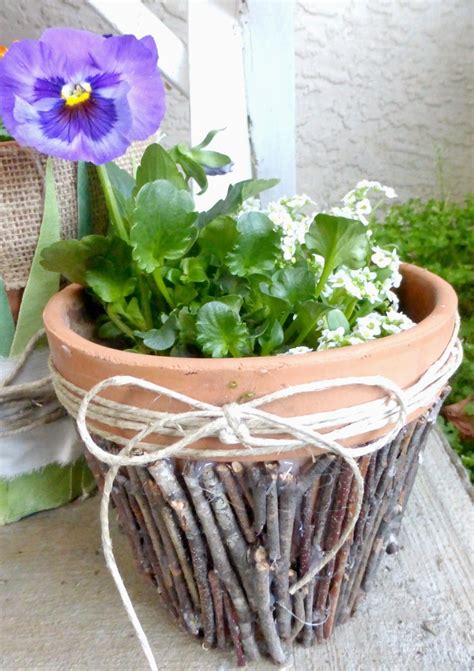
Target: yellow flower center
column 76, row 94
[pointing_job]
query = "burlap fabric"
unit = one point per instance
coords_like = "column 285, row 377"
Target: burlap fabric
column 22, row 173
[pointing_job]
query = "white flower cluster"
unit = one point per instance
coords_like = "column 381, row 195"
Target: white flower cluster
column 290, row 215
column 374, row 283
column 356, row 203
column 364, row 283
column 366, row 328
column 302, row 349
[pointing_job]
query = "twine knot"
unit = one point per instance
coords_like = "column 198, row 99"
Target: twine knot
column 236, row 430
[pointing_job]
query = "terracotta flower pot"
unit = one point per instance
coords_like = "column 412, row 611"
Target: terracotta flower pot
column 224, row 542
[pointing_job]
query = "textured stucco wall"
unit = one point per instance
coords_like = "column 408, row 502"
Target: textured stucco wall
column 382, row 87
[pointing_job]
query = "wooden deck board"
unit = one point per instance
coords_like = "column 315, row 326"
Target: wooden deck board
column 60, row 610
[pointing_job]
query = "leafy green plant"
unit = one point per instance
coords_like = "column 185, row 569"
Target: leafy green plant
column 438, row 235
column 174, row 281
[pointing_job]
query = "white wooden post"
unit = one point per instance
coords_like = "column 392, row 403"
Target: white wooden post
column 269, row 56
column 131, row 17
column 238, row 72
column 217, row 87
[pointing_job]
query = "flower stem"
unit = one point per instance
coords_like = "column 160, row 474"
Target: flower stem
column 145, row 301
column 111, row 202
column 162, row 287
column 119, row 323
column 303, row 334
column 323, row 279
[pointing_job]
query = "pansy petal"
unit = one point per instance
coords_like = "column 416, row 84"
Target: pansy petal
column 77, row 46
column 96, row 140
column 147, row 103
column 125, row 54
column 137, row 64
column 150, row 44
column 31, row 71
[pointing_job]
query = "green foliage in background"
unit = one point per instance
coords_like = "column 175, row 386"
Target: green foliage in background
column 439, row 235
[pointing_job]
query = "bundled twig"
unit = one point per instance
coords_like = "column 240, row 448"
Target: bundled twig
column 223, row 543
column 164, row 475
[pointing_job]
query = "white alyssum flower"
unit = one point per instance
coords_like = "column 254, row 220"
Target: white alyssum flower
column 330, row 339
column 297, row 350
column 356, row 202
column 250, row 205
column 368, row 327
column 289, row 215
column 394, row 322
column 359, row 283
column 385, row 258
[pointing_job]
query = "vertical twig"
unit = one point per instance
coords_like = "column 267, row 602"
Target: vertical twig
column 273, row 527
column 264, row 607
column 164, row 476
column 217, row 597
column 287, row 499
column 236, row 498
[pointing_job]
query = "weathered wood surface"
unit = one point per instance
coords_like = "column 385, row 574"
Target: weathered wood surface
column 60, row 610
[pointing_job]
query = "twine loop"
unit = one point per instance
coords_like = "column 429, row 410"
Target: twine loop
column 250, row 425
column 27, row 405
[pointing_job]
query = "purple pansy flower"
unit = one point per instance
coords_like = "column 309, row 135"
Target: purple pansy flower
column 81, row 96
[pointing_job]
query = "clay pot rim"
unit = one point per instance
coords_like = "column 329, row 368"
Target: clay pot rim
column 445, row 304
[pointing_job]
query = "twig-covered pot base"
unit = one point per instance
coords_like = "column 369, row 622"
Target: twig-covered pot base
column 224, row 543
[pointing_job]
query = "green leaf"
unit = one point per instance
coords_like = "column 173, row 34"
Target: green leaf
column 108, row 330
column 335, row 319
column 218, row 237
column 272, row 338
column 163, row 226
column 192, row 169
column 234, row 301
column 122, row 182
column 42, row 283
column 210, row 159
column 122, row 185
column 294, row 284
column 163, row 338
column 303, row 327
column 221, row 332
column 7, row 330
column 109, row 274
column 186, row 323
column 209, row 138
column 71, row 258
column 274, row 307
column 257, row 246
column 184, row 294
column 194, row 270
column 84, row 205
column 157, row 164
column 236, row 195
column 339, row 240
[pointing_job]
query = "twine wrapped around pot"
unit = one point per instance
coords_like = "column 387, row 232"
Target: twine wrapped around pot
column 254, row 428
column 28, row 405
column 22, row 172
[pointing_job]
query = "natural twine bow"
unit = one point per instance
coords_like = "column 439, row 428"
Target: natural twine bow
column 243, row 423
